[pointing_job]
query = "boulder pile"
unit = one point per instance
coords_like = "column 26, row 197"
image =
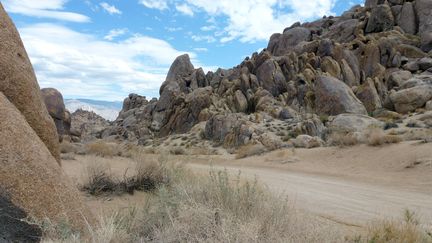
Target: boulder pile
column 372, row 60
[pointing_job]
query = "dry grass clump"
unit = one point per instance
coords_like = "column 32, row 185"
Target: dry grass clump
column 377, row 137
column 343, row 139
column 146, row 177
column 250, row 150
column 404, row 231
column 103, row 149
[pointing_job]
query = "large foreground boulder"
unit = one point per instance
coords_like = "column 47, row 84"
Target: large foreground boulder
column 32, row 177
column 334, row 97
column 18, row 83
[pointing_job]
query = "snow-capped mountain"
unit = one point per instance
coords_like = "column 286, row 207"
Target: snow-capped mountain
column 106, row 109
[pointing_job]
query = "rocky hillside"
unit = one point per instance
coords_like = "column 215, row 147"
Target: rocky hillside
column 87, row 125
column 371, row 62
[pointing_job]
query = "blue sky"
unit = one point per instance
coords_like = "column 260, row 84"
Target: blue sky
column 106, row 49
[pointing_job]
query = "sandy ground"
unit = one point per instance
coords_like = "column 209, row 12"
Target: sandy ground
column 350, row 186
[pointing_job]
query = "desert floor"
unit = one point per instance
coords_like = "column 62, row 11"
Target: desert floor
column 346, row 186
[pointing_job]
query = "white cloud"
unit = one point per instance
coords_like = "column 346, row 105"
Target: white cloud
column 115, row 33
column 208, row 28
column 43, row 9
column 252, row 20
column 206, row 38
column 82, row 66
column 200, row 49
column 111, row 9
column 173, row 29
column 185, row 9
column 156, row 4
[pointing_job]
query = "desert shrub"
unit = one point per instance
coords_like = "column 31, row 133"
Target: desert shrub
column 249, row 150
column 406, row 230
column 99, row 181
column 218, row 208
column 377, row 137
column 343, row 139
column 147, row 176
column 103, row 149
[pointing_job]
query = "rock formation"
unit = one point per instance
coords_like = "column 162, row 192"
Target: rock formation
column 32, row 182
column 32, row 177
column 18, row 83
column 87, row 126
column 371, row 60
column 56, row 108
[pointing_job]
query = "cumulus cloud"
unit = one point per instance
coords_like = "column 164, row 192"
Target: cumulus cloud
column 208, row 28
column 82, row 66
column 185, row 9
column 115, row 33
column 252, row 20
column 200, row 49
column 156, row 4
column 111, row 9
column 43, row 9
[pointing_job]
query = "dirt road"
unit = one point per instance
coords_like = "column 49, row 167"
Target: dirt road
column 343, row 201
column 352, row 185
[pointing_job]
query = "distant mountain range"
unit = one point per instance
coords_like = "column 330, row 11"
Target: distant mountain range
column 107, row 109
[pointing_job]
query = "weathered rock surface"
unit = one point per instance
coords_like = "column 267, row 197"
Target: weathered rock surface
column 381, row 19
column 333, row 97
column 306, row 141
column 56, row 108
column 13, row 227
column 353, row 123
column 410, row 99
column 31, row 175
column 18, row 83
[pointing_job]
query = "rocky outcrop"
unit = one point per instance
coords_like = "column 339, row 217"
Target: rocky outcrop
column 56, row 108
column 31, row 175
column 18, row 83
column 87, row 125
column 370, row 60
column 229, row 130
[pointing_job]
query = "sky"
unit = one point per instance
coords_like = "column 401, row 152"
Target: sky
column 106, row 49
